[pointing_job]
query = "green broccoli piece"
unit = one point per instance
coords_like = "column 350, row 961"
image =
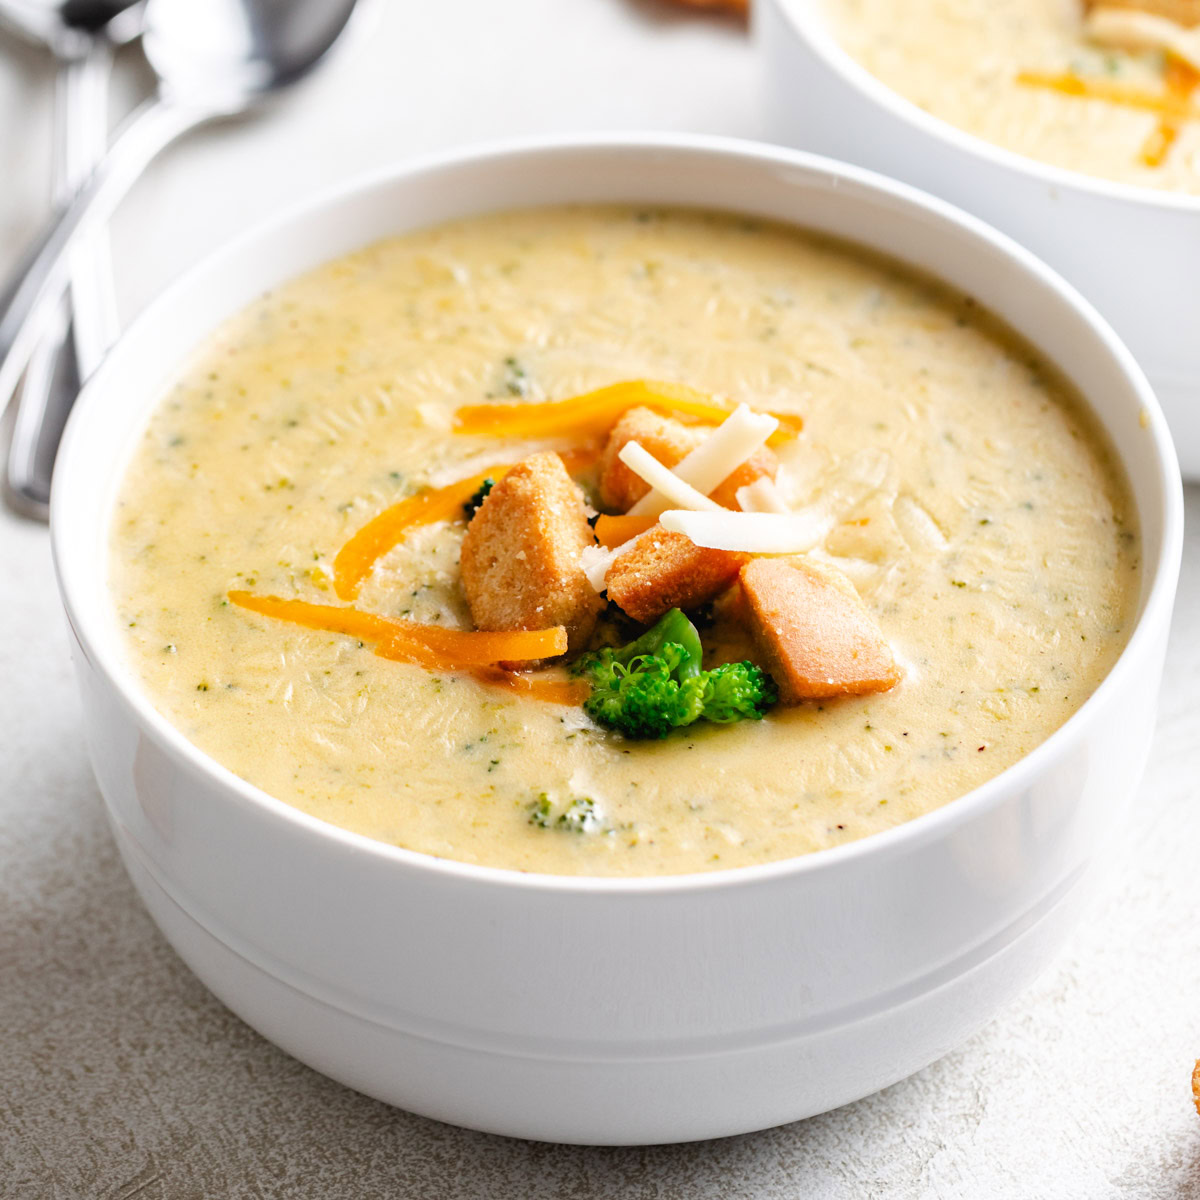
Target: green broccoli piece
column 541, row 812
column 516, row 378
column 472, row 505
column 734, row 691
column 580, row 816
column 657, row 683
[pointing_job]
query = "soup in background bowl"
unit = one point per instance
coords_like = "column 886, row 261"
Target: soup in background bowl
column 1050, row 80
column 559, row 1006
column 1014, row 153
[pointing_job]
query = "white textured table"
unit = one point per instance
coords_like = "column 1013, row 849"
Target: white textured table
column 120, row 1076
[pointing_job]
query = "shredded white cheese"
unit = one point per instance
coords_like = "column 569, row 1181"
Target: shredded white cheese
column 761, row 496
column 714, row 460
column 917, row 526
column 1128, row 29
column 595, row 561
column 663, row 480
column 751, row 533
column 859, row 571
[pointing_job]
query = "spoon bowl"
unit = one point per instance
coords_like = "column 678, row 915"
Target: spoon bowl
column 236, row 51
column 213, row 59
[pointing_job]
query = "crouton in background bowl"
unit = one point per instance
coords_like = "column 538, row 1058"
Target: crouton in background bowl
column 1133, row 251
column 597, row 1010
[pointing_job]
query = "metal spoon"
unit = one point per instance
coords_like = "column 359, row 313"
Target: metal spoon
column 81, row 34
column 213, row 58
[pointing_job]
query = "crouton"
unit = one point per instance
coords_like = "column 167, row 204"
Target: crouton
column 662, row 570
column 1182, row 12
column 1196, row 1085
column 813, row 630
column 521, row 555
column 669, row 441
column 666, row 439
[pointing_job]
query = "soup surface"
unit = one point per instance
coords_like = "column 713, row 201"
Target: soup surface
column 961, row 60
column 975, row 508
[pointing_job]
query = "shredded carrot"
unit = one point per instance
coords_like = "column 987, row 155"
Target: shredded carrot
column 436, row 648
column 1162, row 103
column 351, row 621
column 1182, row 80
column 1158, row 142
column 398, row 648
column 477, row 647
column 546, row 687
column 616, row 531
column 594, row 413
column 431, row 645
column 356, row 558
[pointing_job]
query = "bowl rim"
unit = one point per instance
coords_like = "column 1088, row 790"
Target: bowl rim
column 801, row 16
column 91, row 623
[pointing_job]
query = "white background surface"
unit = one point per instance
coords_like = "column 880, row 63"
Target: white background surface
column 120, row 1076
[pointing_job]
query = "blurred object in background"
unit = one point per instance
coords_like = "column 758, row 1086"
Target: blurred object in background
column 82, row 35
column 741, row 7
column 211, row 61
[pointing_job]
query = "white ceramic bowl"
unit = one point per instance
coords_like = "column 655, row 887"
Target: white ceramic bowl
column 1134, row 252
column 598, row 1010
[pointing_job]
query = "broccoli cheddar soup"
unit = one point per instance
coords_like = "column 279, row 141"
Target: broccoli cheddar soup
column 620, row 542
column 1104, row 87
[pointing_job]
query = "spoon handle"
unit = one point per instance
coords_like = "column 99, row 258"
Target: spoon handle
column 93, row 294
column 27, row 302
column 85, row 324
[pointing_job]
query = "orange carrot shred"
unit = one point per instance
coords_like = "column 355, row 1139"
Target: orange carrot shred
column 1163, row 103
column 352, row 622
column 436, row 648
column 477, row 647
column 616, row 531
column 387, row 529
column 1182, row 80
column 546, row 687
column 431, row 645
column 1158, row 142
column 594, row 413
column 356, row 558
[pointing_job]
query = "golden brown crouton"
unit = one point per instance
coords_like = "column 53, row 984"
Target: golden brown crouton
column 814, row 631
column 662, row 570
column 1182, row 12
column 520, row 558
column 669, row 441
column 1196, row 1085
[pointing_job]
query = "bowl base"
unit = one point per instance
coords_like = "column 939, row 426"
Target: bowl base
column 615, row 1102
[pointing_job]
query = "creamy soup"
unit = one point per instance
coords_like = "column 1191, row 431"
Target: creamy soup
column 975, row 508
column 962, row 60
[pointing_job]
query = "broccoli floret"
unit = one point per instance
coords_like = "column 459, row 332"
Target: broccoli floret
column 656, row 684
column 673, row 627
column 580, row 816
column 516, row 378
column 472, row 505
column 541, row 812
column 737, row 690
